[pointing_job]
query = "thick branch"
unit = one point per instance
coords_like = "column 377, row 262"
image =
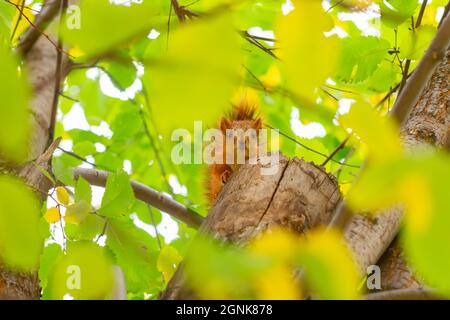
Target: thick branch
column 146, row 194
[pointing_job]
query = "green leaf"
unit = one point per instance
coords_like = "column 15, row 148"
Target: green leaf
column 330, row 271
column 144, row 214
column 85, row 272
column 83, row 191
column 88, row 229
column 84, row 148
column 135, row 253
column 126, row 124
column 105, row 26
column 50, row 254
column 196, row 84
column 305, row 50
column 14, row 90
column 381, row 134
column 360, row 57
column 218, row 272
column 168, row 260
column 63, row 166
column 427, row 221
column 395, row 12
column 384, row 78
column 6, row 16
column 77, row 212
column 118, row 197
column 122, row 73
column 20, row 241
column 414, row 44
column 420, row 185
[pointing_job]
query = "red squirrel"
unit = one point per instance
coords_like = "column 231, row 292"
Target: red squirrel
column 242, row 116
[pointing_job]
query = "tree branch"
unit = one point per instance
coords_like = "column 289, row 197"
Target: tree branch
column 146, row 194
column 46, row 15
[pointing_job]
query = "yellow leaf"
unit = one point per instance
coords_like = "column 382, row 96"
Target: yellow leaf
column 330, row 270
column 52, row 215
column 379, row 133
column 23, row 24
column 308, row 55
column 63, row 195
column 415, row 193
column 278, row 243
column 272, row 78
column 277, row 283
column 196, row 77
column 167, row 262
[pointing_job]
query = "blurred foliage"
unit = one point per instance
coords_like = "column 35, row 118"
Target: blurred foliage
column 139, row 73
column 266, row 269
column 14, row 128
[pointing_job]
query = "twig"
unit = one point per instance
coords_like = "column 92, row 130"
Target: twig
column 408, row 61
column 338, row 148
column 310, row 149
column 68, row 98
column 33, row 33
column 58, row 76
column 182, row 12
column 246, row 34
column 257, row 44
column 76, row 156
column 146, row 194
column 152, row 217
column 13, row 34
column 423, row 72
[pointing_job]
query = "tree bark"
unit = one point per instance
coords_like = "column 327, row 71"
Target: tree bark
column 40, row 63
column 299, row 197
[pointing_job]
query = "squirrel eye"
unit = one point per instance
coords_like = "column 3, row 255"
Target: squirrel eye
column 224, row 179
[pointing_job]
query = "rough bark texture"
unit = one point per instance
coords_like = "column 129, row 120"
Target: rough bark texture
column 40, row 62
column 428, row 124
column 300, row 196
column 395, row 272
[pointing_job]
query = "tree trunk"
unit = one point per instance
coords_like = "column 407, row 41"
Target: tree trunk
column 40, row 63
column 300, row 197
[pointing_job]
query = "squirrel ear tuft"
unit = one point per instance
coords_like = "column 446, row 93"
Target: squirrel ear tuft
column 225, row 124
column 258, row 124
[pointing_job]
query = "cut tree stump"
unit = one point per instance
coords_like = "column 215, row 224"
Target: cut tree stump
column 300, row 196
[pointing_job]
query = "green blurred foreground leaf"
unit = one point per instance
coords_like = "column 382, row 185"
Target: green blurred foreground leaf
column 14, row 90
column 20, row 241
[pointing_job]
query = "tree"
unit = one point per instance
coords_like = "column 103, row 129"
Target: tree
column 95, row 89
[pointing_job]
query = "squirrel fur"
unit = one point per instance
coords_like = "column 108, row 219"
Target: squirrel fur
column 242, row 116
